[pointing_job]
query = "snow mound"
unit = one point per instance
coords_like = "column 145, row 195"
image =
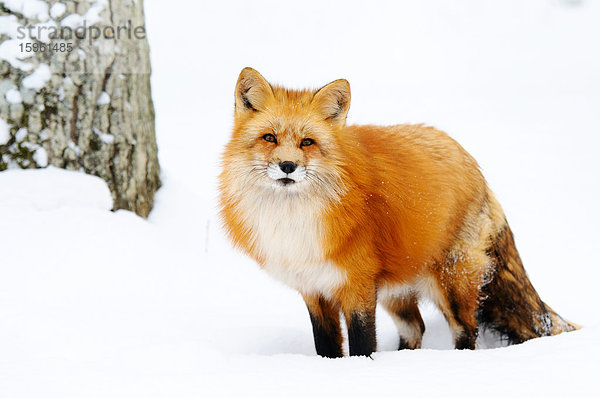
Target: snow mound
column 52, row 188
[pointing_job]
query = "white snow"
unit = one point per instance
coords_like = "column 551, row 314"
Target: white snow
column 38, row 78
column 74, row 147
column 43, row 135
column 61, row 93
column 21, row 134
column 103, row 98
column 57, row 10
column 91, row 17
column 51, row 189
column 11, row 52
column 13, row 96
column 4, row 132
column 72, row 21
column 40, row 156
column 37, row 9
column 105, row 304
column 9, row 25
column 106, row 138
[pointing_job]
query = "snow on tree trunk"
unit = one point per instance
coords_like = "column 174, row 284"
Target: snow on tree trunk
column 75, row 93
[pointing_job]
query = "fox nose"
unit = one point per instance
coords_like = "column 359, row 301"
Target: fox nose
column 287, row 167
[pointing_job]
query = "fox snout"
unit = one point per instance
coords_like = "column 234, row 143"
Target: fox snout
column 286, row 172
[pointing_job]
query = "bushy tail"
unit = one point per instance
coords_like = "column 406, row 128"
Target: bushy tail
column 559, row 324
column 510, row 305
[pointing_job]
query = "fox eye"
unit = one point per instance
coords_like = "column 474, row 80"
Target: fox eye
column 307, row 142
column 269, row 138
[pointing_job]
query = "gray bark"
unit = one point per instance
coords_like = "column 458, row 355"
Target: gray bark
column 94, row 110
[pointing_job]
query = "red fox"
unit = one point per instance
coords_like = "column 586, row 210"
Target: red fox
column 355, row 215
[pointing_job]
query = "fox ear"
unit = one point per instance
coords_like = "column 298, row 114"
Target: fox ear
column 333, row 101
column 251, row 92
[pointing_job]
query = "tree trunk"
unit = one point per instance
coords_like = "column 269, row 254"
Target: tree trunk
column 80, row 97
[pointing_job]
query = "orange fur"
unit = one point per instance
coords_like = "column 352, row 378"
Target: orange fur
column 384, row 208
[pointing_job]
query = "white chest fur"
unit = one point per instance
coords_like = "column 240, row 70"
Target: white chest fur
column 287, row 232
column 321, row 279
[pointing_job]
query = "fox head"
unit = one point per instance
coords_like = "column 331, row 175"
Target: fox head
column 285, row 141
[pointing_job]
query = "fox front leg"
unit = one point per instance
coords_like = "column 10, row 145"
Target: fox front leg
column 325, row 319
column 360, row 319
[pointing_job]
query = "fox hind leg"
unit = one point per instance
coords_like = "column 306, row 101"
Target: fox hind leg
column 460, row 314
column 461, row 318
column 404, row 311
column 457, row 292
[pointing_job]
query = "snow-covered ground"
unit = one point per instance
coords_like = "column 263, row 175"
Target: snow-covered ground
column 101, row 304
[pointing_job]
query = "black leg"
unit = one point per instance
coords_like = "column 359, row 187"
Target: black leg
column 361, row 332
column 466, row 340
column 326, row 339
column 404, row 311
column 325, row 319
column 465, row 324
column 403, row 345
